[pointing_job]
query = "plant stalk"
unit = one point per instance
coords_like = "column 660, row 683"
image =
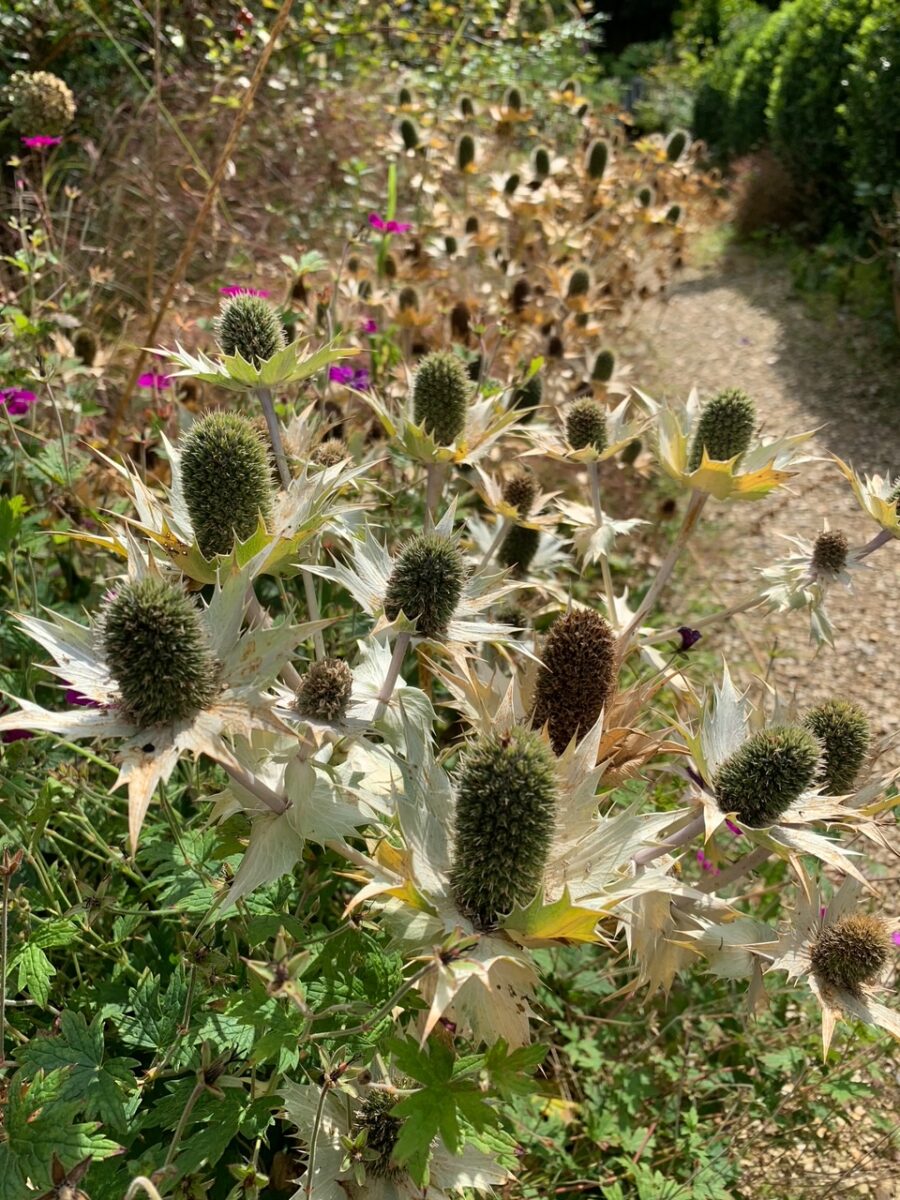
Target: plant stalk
column 387, row 688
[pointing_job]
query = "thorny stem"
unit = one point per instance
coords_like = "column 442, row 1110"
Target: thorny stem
column 685, row 834
column 502, row 528
column 313, row 1141
column 691, row 517
column 390, row 682
column 262, row 791
column 264, row 395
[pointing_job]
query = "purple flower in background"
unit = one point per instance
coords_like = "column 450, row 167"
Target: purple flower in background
column 235, row 289
column 40, row 141
column 706, row 863
column 369, row 326
column 734, row 829
column 150, row 379
column 895, row 937
column 16, row 400
column 14, row 735
column 689, row 637
column 72, row 696
column 384, row 226
column 354, row 377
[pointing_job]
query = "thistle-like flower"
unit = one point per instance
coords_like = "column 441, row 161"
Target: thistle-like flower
column 604, row 365
column 39, row 102
column 325, row 690
column 441, row 393
column 518, row 549
column 520, row 490
column 465, row 152
column 579, row 283
column 426, row 584
column 801, row 580
column 84, row 343
column 724, row 430
column 329, row 452
column 578, row 677
column 226, row 480
column 878, row 496
column 599, row 434
column 842, row 729
column 596, row 159
column 767, row 774
column 586, row 426
column 249, row 326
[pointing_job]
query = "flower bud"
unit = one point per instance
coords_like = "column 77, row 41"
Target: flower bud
column 604, row 365
column 330, row 452
column 324, row 691
column 765, row 775
column 426, row 584
column 460, row 321
column 513, row 99
column 441, row 396
column 505, row 813
column 850, row 952
column 645, row 196
column 842, row 729
column 249, row 326
column 673, row 214
column 630, row 454
column 404, row 97
column 408, row 299
column 451, row 245
column 724, row 429
column 226, row 480
column 158, row 652
column 586, row 426
column 466, row 107
column 578, row 676
column 511, row 184
column 472, row 224
column 518, row 297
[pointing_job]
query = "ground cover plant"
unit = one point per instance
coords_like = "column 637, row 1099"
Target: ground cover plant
column 363, row 801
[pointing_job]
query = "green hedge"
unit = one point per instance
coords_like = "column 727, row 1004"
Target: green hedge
column 746, row 118
column 711, row 103
column 871, row 113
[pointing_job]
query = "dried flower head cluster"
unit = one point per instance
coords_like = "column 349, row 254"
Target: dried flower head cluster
column 577, row 679
column 39, row 103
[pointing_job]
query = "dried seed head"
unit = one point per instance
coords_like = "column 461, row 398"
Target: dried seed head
column 851, row 952
column 830, row 551
column 330, row 452
column 520, row 490
column 465, row 151
column 578, row 676
column 505, row 812
column 518, row 548
column 472, row 224
column 409, row 134
column 460, row 321
column 426, row 583
column 596, row 159
column 39, row 103
column 324, row 691
column 541, row 162
column 586, row 426
column 645, row 196
column 513, row 99
column 604, row 365
column 249, row 326
column 157, row 652
column 676, row 144
column 518, row 297
column 441, row 396
column 226, row 479
column 511, row 184
column 579, row 283
column 84, row 343
column 724, row 429
column 842, row 729
column 765, row 775
column 408, row 299
column 528, row 396
column 382, row 1133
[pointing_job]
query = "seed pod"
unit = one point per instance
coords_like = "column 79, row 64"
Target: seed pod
column 579, row 283
column 724, row 429
column 409, row 134
column 645, row 196
column 518, row 297
column 505, row 814
column 851, row 952
column 604, row 365
column 676, row 144
column 586, row 426
column 465, row 151
column 520, row 490
column 426, row 584
column 582, row 110
column 460, row 321
column 324, row 691
column 511, row 184
column 441, row 396
column 765, row 775
column 555, row 346
column 518, row 548
column 842, row 729
column 830, row 551
column 578, row 679
column 596, row 159
column 249, row 326
column 84, row 343
column 158, row 652
column 541, row 162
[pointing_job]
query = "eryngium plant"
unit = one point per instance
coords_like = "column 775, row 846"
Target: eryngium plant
column 441, row 396
column 226, row 480
column 520, row 490
column 324, row 692
column 725, row 428
column 604, row 365
column 842, row 729
column 382, row 1132
column 84, row 343
column 157, row 652
column 465, row 151
column 505, row 811
column 577, row 678
column 528, row 396
column 249, row 326
column 39, row 103
column 518, row 548
column 586, row 426
column 596, row 159
column 579, row 283
column 426, row 583
column 851, row 952
column 765, row 775
column 830, row 551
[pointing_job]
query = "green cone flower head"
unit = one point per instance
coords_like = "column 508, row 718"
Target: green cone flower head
column 324, row 691
column 541, row 162
column 330, row 452
column 226, row 479
column 842, row 729
column 441, row 396
column 586, row 426
column 408, row 299
column 830, row 551
column 451, row 245
column 673, row 214
column 579, row 282
column 382, row 1133
column 513, row 99
column 528, row 395
column 765, row 775
column 426, row 583
column 604, row 365
column 676, row 144
column 505, row 812
column 520, row 490
column 84, row 343
column 630, row 454
column 39, row 103
column 518, row 548
column 725, row 428
column 465, row 151
column 518, row 297
column 466, row 107
column 511, row 184
column 851, row 952
column 249, row 326
column 472, row 224
column 404, row 97
column 578, row 676
column 157, row 652
column 596, row 159
column 409, row 134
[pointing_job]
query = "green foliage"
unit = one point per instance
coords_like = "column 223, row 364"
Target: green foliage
column 746, row 118
column 712, row 100
column 871, row 110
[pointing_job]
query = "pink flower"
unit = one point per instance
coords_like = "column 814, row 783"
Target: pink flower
column 895, row 937
column 384, row 226
column 355, row 377
column 235, row 289
column 40, row 141
column 17, row 400
column 72, row 696
column 150, row 379
column 369, row 327
column 706, row 863
column 734, row 829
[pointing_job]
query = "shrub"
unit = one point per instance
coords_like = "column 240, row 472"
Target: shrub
column 871, row 114
column 711, row 103
column 746, row 118
column 765, row 194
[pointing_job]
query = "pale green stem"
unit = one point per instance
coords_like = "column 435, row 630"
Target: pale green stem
column 748, row 863
column 685, row 834
column 268, row 406
column 390, row 682
column 182, row 1123
column 666, row 635
column 313, row 1142
column 434, row 475
column 502, row 530
column 262, row 791
column 594, row 477
column 315, row 613
column 142, row 1183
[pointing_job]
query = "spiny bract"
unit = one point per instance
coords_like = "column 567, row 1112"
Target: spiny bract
column 249, row 326
column 324, row 691
column 842, row 729
column 426, row 583
column 505, row 812
column 157, row 652
column 39, row 103
column 850, row 952
column 577, row 678
column 724, row 429
column 226, row 479
column 765, row 775
column 830, row 551
column 586, row 426
column 441, row 396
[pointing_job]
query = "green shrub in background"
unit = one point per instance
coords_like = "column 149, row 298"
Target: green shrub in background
column 711, row 102
column 806, row 100
column 871, row 112
column 746, row 117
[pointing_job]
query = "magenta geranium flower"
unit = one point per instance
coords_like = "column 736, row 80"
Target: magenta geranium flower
column 17, row 400
column 39, row 141
column 235, row 289
column 384, row 226
column 151, row 379
column 369, row 327
column 355, row 377
column 74, row 697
